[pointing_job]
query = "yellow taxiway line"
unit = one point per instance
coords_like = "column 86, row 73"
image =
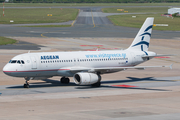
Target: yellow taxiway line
column 72, row 24
column 92, row 18
column 43, row 35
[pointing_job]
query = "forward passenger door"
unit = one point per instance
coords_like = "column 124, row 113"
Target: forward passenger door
column 34, row 62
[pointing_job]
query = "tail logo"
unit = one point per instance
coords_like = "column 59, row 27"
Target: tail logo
column 143, row 36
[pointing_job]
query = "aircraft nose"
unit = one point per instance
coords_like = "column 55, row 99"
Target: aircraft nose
column 6, row 69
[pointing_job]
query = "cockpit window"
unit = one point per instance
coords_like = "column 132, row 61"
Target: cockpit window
column 18, row 62
column 22, row 61
column 13, row 61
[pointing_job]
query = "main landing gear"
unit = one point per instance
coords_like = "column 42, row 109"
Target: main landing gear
column 64, row 80
column 98, row 84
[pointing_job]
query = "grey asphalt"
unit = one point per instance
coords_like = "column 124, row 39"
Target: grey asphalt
column 83, row 31
column 84, row 27
column 174, row 116
column 54, row 86
column 18, row 25
column 90, row 6
column 22, row 46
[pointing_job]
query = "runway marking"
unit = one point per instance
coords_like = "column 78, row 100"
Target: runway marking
column 109, row 48
column 68, row 41
column 43, row 35
column 92, row 18
column 91, row 50
column 95, row 49
column 126, row 86
column 72, row 24
column 92, row 45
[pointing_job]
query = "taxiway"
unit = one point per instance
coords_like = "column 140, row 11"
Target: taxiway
column 132, row 94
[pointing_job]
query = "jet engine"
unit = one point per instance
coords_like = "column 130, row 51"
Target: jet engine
column 83, row 78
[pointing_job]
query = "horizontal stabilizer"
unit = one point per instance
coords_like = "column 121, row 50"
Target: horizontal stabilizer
column 156, row 56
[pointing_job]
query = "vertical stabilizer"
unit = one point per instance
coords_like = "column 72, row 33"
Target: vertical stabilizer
column 142, row 39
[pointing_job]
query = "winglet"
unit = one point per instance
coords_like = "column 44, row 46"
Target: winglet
column 171, row 66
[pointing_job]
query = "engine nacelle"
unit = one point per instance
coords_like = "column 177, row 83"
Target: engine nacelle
column 86, row 78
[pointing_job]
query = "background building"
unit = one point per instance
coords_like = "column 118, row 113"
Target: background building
column 174, row 10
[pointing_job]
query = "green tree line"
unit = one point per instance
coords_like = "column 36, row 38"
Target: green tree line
column 91, row 1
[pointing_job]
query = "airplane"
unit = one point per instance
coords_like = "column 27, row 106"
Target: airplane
column 86, row 67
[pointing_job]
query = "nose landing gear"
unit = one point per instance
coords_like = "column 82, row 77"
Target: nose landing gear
column 26, row 84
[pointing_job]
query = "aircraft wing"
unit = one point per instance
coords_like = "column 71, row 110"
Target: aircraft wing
column 112, row 69
column 135, row 67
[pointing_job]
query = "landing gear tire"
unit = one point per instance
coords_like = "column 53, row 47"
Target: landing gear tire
column 98, row 84
column 65, row 80
column 26, row 85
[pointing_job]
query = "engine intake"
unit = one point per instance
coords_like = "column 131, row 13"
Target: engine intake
column 86, row 78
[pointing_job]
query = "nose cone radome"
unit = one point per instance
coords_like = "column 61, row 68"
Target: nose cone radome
column 6, row 69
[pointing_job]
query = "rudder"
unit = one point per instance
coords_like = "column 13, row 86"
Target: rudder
column 142, row 39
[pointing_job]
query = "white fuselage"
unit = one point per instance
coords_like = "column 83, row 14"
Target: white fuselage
column 48, row 64
column 85, row 67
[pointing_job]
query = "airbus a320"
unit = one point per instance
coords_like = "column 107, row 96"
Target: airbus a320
column 86, row 67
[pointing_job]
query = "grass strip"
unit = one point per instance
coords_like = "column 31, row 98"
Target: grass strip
column 38, row 15
column 5, row 41
column 86, row 4
column 48, row 26
column 136, row 9
column 129, row 21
